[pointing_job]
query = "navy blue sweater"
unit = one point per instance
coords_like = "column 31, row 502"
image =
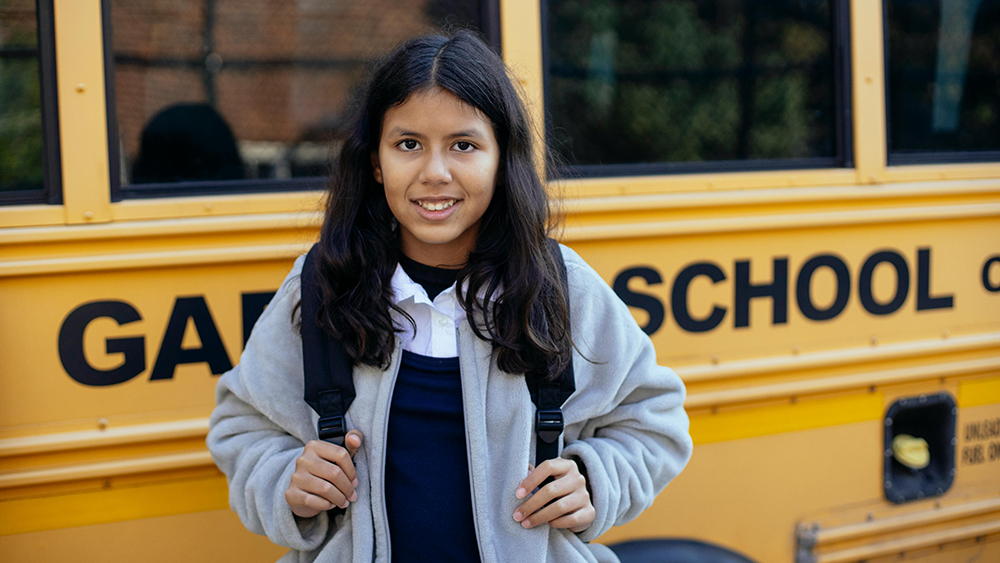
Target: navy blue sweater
column 427, row 491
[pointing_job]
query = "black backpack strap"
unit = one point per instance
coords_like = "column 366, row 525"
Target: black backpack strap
column 329, row 373
column 549, row 395
column 329, row 380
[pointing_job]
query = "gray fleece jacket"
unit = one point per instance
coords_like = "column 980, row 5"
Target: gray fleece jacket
column 625, row 422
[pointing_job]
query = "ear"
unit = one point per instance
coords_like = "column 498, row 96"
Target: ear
column 377, row 167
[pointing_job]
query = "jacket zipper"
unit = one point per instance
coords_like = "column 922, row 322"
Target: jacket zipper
column 381, row 461
column 468, row 458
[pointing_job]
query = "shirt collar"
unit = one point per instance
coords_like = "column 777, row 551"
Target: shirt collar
column 403, row 288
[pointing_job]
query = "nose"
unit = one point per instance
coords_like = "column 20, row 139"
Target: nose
column 436, row 169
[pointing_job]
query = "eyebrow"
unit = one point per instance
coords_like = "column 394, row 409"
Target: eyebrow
column 400, row 132
column 467, row 133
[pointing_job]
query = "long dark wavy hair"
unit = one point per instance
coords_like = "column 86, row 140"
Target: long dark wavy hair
column 510, row 287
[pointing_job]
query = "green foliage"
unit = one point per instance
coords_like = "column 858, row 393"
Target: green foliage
column 20, row 126
column 21, row 163
column 689, row 80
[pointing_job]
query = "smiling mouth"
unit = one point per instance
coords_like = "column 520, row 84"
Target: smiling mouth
column 436, row 205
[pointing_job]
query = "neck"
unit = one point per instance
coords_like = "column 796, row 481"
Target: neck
column 453, row 254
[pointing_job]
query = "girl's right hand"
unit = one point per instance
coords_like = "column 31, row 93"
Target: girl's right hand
column 324, row 477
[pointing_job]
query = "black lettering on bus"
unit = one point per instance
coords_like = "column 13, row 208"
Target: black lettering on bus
column 71, row 353
column 253, row 307
column 991, row 287
column 803, row 287
column 648, row 303
column 777, row 290
column 679, row 297
column 924, row 299
column 212, row 350
column 902, row 283
column 973, row 455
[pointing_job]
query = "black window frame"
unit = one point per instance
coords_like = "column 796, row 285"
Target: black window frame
column 919, row 157
column 490, row 9
column 51, row 192
column 843, row 122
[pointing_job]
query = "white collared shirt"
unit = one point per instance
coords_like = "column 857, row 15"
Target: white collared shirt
column 436, row 321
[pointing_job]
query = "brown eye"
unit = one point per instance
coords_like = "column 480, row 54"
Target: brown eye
column 463, row 146
column 410, row 145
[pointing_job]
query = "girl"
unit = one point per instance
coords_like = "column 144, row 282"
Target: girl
column 437, row 277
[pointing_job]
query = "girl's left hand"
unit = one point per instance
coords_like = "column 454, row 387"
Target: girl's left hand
column 562, row 503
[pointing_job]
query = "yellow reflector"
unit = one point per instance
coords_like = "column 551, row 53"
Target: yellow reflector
column 911, row 452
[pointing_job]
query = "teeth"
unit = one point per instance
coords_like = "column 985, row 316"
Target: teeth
column 436, row 206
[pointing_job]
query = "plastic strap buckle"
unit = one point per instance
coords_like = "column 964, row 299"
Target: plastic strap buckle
column 332, row 429
column 548, row 424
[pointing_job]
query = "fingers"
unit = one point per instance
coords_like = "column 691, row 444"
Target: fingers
column 324, row 477
column 353, row 442
column 315, row 493
column 548, row 468
column 564, row 512
column 337, row 455
column 562, row 502
column 327, row 475
column 576, row 521
column 551, row 501
column 305, row 505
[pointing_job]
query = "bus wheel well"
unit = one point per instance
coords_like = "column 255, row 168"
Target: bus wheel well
column 675, row 551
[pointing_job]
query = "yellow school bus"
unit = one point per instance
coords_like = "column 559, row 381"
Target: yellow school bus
column 800, row 200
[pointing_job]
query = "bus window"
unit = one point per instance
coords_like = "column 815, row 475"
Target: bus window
column 234, row 96
column 24, row 59
column 696, row 85
column 943, row 66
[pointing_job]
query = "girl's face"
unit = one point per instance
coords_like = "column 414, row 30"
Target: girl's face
column 437, row 160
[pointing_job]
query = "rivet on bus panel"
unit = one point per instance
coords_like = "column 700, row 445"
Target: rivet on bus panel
column 102, row 423
column 213, row 63
column 88, row 215
column 796, row 349
column 81, row 87
column 208, row 206
column 873, row 340
column 945, row 333
column 869, row 79
column 715, row 358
